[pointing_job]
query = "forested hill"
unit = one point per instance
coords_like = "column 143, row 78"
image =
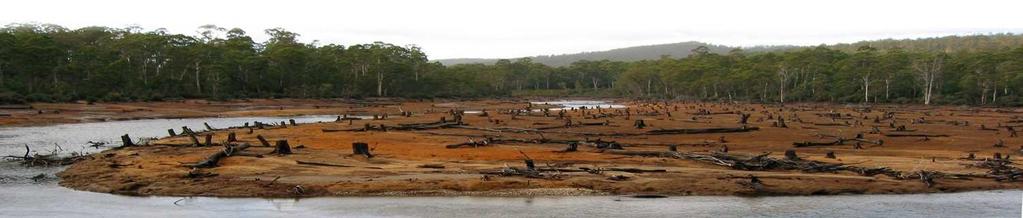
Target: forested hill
column 682, row 49
column 637, row 53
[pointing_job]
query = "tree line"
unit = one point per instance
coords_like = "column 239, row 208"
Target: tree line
column 41, row 62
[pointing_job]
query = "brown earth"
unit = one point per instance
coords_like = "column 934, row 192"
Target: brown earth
column 401, row 157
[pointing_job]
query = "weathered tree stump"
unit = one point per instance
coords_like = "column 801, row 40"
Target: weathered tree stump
column 361, row 148
column 282, row 147
column 292, row 121
column 209, row 140
column 572, row 146
column 263, row 141
column 791, row 155
column 743, row 118
column 195, row 141
column 171, row 132
column 126, row 140
column 530, row 166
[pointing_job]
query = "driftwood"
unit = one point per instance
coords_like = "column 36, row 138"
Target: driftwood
column 52, row 159
column 701, row 131
column 213, row 159
column 320, row 164
column 809, row 144
column 892, row 134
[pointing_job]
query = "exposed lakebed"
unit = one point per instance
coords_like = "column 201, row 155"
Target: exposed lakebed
column 23, row 196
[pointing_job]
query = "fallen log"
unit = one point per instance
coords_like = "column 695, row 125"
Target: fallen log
column 701, row 131
column 320, row 164
column 892, row 134
column 213, row 159
column 810, row 144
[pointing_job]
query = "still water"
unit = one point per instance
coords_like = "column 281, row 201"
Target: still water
column 22, row 196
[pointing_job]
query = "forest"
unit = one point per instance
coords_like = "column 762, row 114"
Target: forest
column 50, row 63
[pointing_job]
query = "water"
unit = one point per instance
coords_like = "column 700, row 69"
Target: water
column 21, row 196
column 577, row 104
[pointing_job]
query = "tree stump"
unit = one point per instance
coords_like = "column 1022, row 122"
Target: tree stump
column 263, row 141
column 361, row 148
column 195, row 141
column 282, row 147
column 639, row 124
column 572, row 146
column 126, row 140
column 791, row 155
column 292, row 121
column 744, row 118
column 209, row 140
column 171, row 132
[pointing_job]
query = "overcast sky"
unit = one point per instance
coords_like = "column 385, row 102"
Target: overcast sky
column 506, row 29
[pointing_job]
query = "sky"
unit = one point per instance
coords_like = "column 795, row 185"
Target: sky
column 518, row 28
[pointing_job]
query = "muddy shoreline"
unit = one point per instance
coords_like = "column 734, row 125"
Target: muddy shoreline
column 418, row 162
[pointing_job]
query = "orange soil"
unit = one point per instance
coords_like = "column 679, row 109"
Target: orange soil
column 158, row 170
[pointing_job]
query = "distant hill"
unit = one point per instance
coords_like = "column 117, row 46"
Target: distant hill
column 682, row 49
column 646, row 52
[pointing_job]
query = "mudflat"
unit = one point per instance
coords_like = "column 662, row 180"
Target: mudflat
column 517, row 148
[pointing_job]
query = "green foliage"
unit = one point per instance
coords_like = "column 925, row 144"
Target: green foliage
column 44, row 63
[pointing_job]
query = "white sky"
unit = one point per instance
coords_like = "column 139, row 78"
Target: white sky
column 516, row 28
